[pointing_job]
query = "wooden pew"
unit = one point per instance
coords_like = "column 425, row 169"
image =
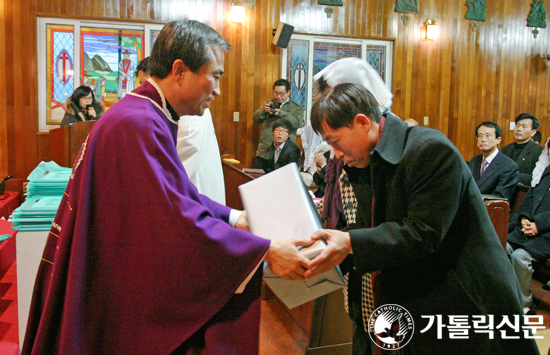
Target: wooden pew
column 499, row 211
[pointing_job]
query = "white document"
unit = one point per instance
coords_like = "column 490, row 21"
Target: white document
column 278, row 206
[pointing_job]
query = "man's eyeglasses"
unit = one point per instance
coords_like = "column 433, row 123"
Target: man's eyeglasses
column 487, row 136
column 280, row 130
column 279, row 94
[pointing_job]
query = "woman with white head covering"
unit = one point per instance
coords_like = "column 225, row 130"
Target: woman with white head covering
column 529, row 237
column 355, row 71
column 312, row 144
column 542, row 164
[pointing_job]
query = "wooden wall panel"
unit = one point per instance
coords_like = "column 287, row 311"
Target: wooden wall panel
column 458, row 81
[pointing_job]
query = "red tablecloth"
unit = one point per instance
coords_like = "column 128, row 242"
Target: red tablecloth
column 9, row 201
column 7, row 247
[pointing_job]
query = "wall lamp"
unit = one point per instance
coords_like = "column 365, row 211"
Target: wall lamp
column 236, row 15
column 432, row 29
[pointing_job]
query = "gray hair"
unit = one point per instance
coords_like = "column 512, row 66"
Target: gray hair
column 190, row 41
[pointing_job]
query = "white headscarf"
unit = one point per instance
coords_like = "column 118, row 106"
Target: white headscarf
column 542, row 164
column 357, row 71
column 312, row 143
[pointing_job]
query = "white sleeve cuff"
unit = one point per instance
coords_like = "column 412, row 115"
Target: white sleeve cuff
column 234, row 217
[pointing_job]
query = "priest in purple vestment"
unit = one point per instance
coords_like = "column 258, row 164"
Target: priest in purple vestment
column 137, row 261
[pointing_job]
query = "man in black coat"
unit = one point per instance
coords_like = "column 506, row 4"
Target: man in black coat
column 524, row 151
column 283, row 151
column 493, row 172
column 529, row 237
column 422, row 223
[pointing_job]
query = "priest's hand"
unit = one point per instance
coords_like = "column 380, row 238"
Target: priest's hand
column 242, row 222
column 285, row 260
column 338, row 247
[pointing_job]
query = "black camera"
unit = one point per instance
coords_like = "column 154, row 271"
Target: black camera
column 273, row 106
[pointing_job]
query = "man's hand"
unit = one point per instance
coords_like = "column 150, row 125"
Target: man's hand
column 338, row 247
column 267, row 107
column 285, row 260
column 242, row 222
column 529, row 228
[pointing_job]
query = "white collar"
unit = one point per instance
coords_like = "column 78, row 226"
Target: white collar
column 492, row 156
column 164, row 108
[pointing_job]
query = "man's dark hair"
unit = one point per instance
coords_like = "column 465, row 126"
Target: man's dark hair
column 143, row 66
column 282, row 82
column 339, row 106
column 80, row 92
column 190, row 41
column 498, row 131
column 537, row 137
column 528, row 116
column 281, row 122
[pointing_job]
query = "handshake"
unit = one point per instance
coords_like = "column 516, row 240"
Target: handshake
column 285, row 260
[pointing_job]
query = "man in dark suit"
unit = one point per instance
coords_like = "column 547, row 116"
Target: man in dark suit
column 422, row 223
column 524, row 151
column 493, row 172
column 283, row 151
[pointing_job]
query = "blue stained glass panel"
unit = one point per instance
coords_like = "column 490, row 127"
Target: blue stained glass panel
column 376, row 56
column 298, row 54
column 154, row 36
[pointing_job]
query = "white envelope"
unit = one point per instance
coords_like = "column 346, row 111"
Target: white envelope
column 278, row 206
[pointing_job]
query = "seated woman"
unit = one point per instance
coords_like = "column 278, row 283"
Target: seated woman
column 313, row 146
column 82, row 106
column 319, row 177
column 529, row 239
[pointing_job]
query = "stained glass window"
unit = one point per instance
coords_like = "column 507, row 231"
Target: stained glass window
column 325, row 53
column 154, row 35
column 60, row 69
column 108, row 60
column 100, row 55
column 297, row 68
column 376, row 56
column 308, row 55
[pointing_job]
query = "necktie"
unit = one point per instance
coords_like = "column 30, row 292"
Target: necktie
column 484, row 166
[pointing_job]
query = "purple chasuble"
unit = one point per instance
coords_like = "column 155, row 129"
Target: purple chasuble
column 137, row 261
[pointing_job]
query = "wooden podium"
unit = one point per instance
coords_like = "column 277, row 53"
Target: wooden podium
column 65, row 142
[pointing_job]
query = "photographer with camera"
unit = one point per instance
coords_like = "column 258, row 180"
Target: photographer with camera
column 281, row 106
column 82, row 106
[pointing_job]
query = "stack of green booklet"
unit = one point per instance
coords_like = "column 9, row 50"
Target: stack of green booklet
column 47, row 183
column 36, row 213
column 48, row 178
